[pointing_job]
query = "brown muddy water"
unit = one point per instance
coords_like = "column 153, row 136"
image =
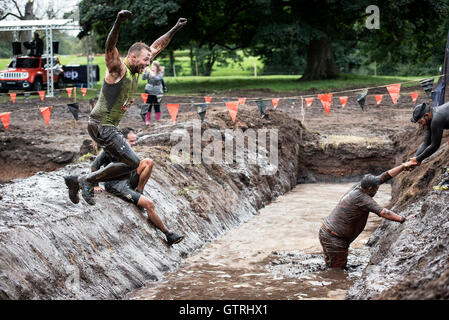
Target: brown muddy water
column 276, row 255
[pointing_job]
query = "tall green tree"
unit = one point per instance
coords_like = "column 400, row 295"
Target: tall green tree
column 412, row 35
column 215, row 28
column 308, row 29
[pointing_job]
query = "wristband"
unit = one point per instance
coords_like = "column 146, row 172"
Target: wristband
column 403, row 220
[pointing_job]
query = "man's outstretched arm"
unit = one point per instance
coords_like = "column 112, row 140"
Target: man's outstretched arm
column 164, row 40
column 113, row 63
column 390, row 215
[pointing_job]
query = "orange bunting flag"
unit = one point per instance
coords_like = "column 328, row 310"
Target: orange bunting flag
column 84, row 91
column 41, row 94
column 378, row 98
column 394, row 90
column 13, row 96
column 275, row 102
column 242, row 100
column 309, row 101
column 46, row 112
column 5, row 119
column 144, row 97
column 326, row 100
column 173, row 110
column 343, row 101
column 233, row 107
column 414, row 96
column 208, row 99
column 69, row 91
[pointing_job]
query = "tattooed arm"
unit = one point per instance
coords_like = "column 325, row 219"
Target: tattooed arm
column 116, row 69
column 164, row 40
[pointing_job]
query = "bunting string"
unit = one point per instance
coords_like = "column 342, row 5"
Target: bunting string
column 262, row 103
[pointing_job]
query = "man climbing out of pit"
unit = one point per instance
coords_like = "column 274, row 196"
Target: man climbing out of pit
column 126, row 188
column 434, row 120
column 119, row 86
column 349, row 217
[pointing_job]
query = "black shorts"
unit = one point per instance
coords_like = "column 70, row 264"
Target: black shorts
column 113, row 143
column 125, row 189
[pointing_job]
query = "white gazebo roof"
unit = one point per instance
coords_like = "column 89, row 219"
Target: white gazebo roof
column 18, row 25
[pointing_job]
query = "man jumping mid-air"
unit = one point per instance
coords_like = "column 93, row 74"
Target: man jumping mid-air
column 120, row 83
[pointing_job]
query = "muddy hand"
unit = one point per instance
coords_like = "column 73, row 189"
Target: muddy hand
column 98, row 189
column 181, row 22
column 411, row 164
column 124, row 15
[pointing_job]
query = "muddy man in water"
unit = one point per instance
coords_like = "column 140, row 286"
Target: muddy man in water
column 119, row 86
column 349, row 217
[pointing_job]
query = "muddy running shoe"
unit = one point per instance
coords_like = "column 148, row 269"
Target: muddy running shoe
column 173, row 238
column 87, row 191
column 72, row 183
column 444, row 187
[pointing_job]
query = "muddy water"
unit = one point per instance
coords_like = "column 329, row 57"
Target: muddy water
column 275, row 255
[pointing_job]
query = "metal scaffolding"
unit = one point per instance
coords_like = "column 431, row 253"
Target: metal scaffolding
column 48, row 26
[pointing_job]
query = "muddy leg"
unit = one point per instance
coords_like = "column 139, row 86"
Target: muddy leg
column 144, row 171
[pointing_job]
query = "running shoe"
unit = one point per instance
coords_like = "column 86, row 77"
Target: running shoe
column 72, row 183
column 87, row 191
column 173, row 238
column 443, row 187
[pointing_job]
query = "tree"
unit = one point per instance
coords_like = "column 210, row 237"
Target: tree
column 308, row 29
column 411, row 38
column 215, row 28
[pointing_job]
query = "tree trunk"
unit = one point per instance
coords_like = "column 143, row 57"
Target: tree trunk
column 320, row 61
column 29, row 15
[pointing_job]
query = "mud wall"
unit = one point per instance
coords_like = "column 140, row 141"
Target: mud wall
column 53, row 249
column 411, row 260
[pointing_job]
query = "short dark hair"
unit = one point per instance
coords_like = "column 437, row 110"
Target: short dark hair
column 137, row 47
column 368, row 181
column 126, row 131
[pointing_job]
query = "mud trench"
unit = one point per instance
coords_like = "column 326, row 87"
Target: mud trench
column 263, row 246
column 275, row 255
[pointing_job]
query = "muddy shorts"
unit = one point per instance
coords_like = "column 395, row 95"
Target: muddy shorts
column 335, row 249
column 125, row 189
column 113, row 143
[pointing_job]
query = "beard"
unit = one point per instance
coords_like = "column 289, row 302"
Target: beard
column 137, row 68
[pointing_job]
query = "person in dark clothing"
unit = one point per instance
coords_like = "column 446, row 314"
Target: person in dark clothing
column 116, row 96
column 349, row 217
column 126, row 188
column 435, row 120
column 37, row 45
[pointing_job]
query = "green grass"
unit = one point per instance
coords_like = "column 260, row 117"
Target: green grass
column 278, row 83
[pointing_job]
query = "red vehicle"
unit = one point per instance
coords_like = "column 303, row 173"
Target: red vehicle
column 30, row 74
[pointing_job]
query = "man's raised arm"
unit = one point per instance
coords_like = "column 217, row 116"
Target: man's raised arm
column 112, row 57
column 164, row 40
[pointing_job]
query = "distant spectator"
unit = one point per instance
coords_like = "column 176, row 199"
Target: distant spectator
column 155, row 89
